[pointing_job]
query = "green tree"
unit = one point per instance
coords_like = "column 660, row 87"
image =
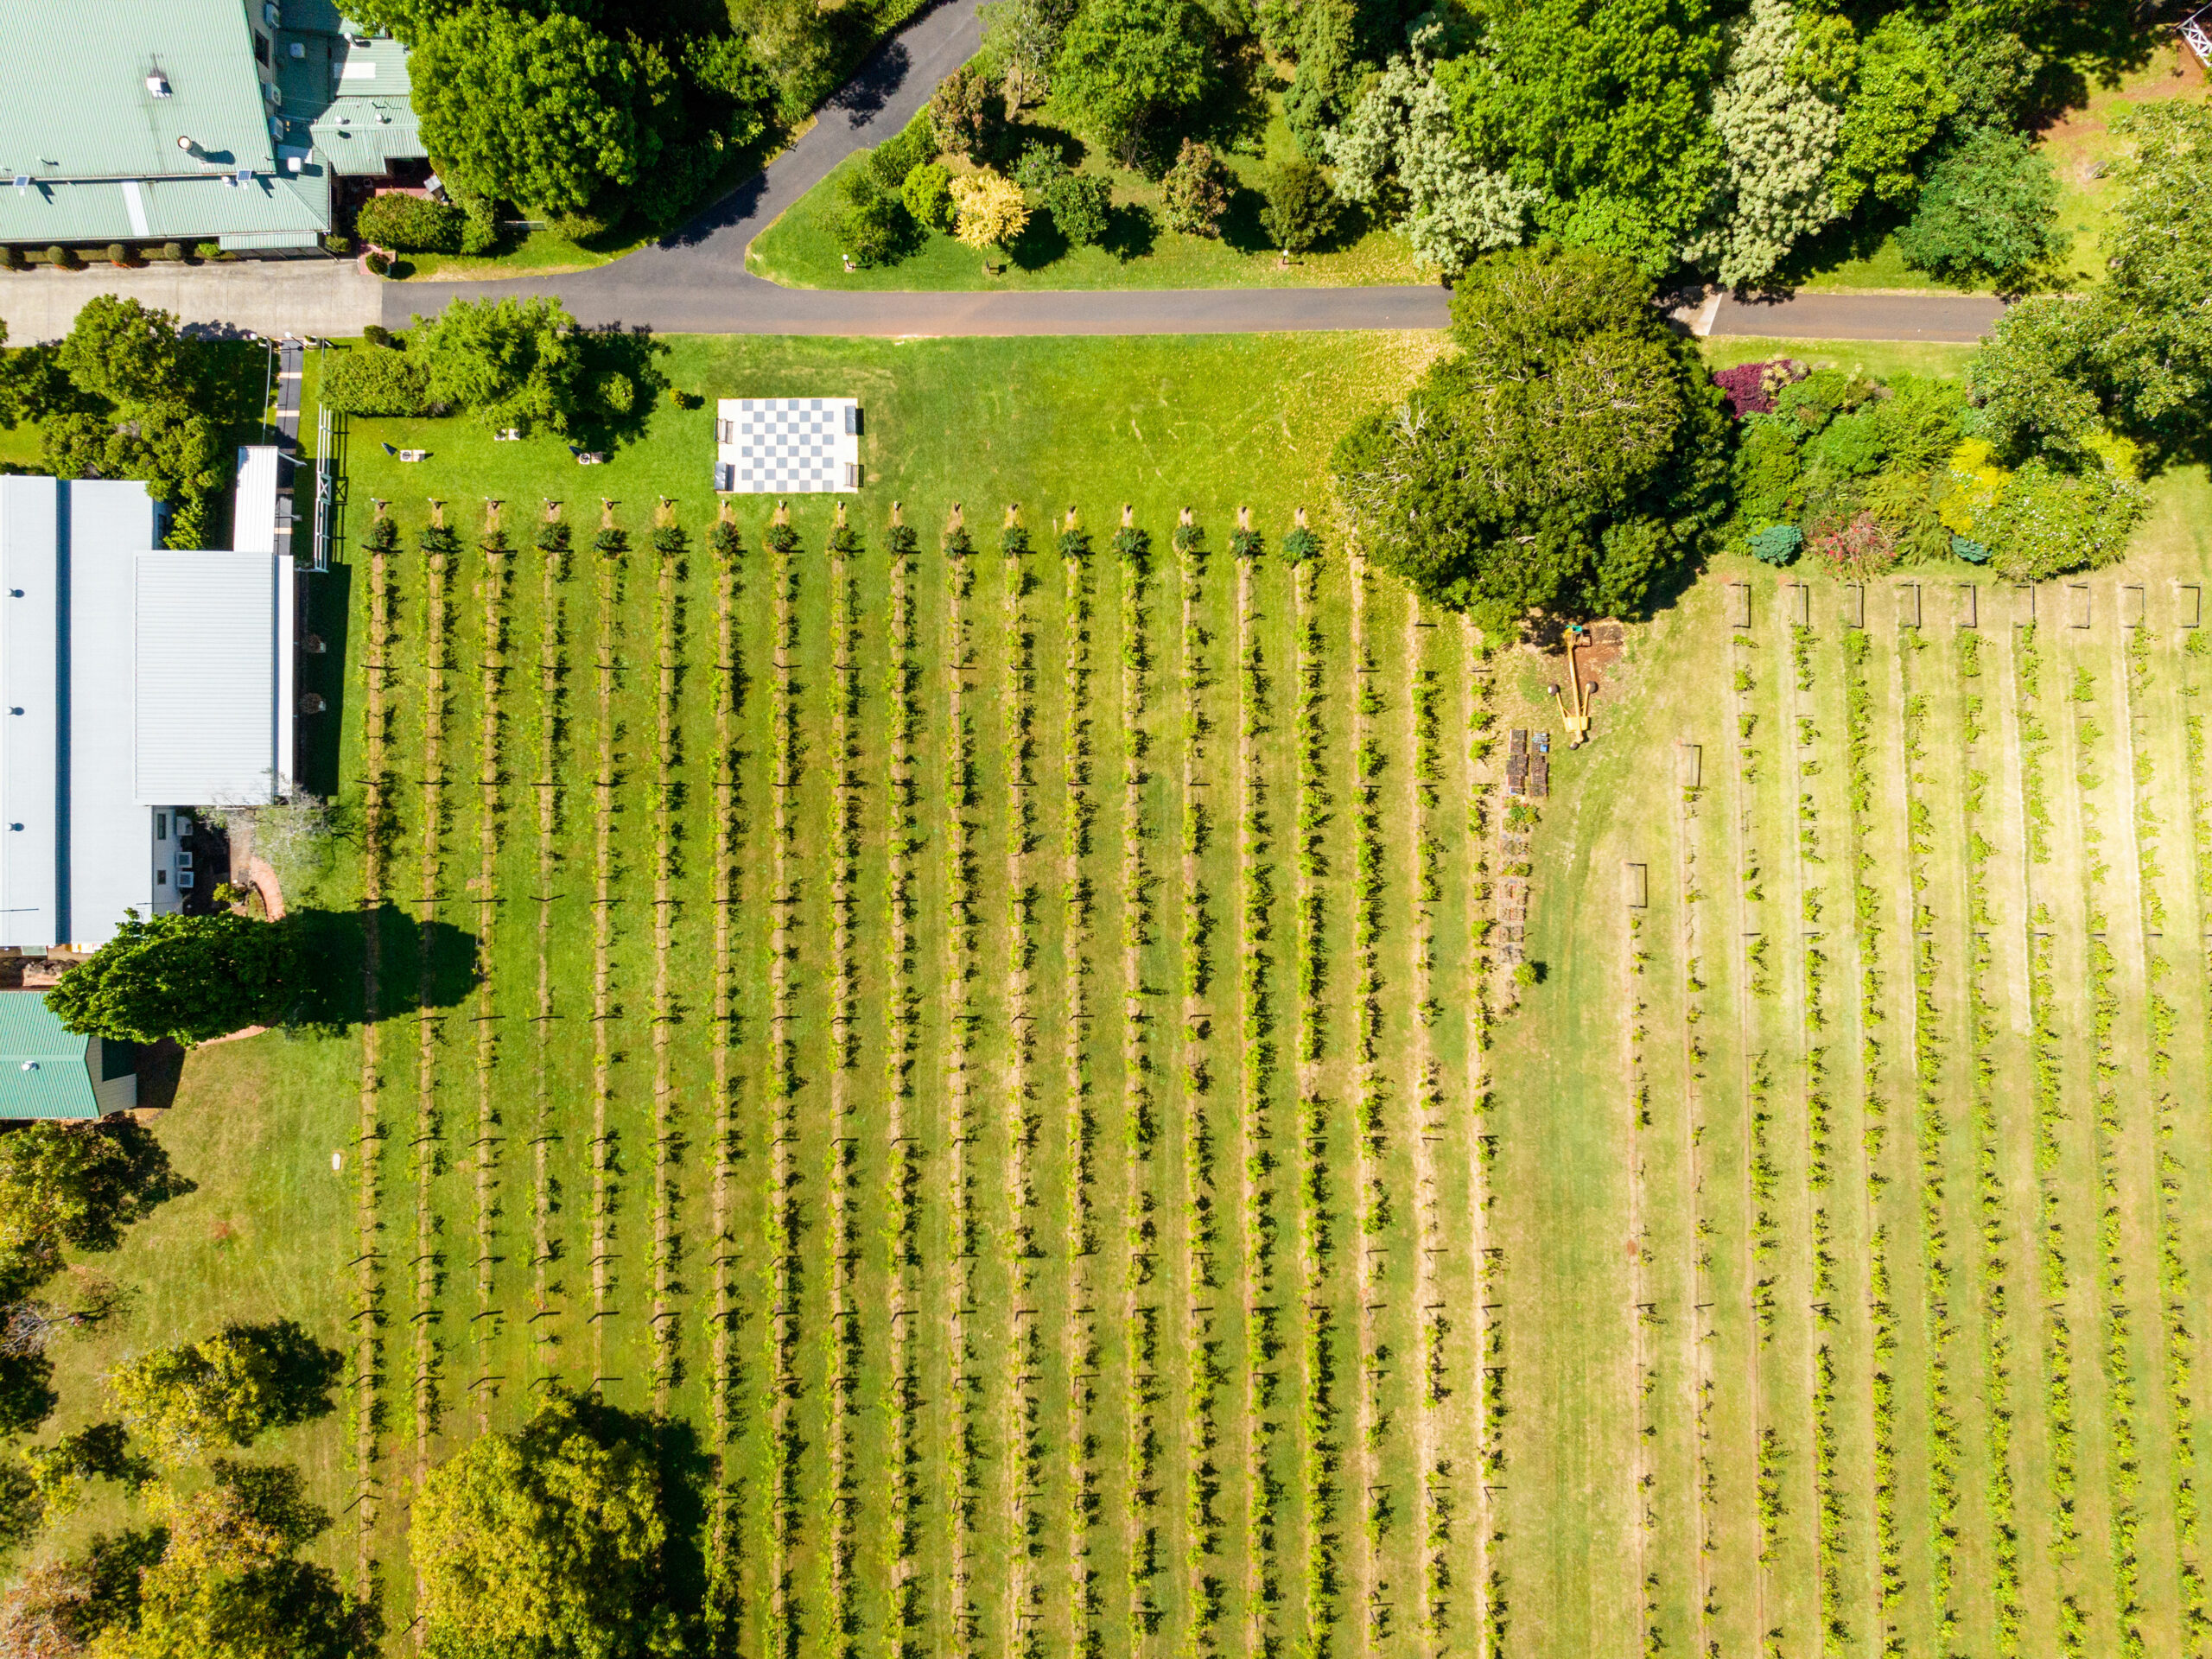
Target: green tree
column 1194, row 195
column 545, row 1543
column 537, row 111
column 1988, row 211
column 872, row 222
column 1566, row 460
column 229, row 1584
column 1601, row 104
column 1777, row 139
column 1299, row 208
column 2154, row 311
column 1082, row 204
column 511, row 363
column 123, row 352
column 927, row 194
column 1331, row 67
column 1130, row 70
column 187, row 977
column 375, row 380
column 2035, row 379
column 123, row 395
column 226, row 1390
column 78, row 1185
column 1898, row 100
column 793, row 43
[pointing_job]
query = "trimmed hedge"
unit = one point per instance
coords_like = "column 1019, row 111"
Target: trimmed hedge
column 374, row 380
column 411, row 224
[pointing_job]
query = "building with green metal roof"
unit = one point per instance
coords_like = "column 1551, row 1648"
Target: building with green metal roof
column 224, row 121
column 48, row 1072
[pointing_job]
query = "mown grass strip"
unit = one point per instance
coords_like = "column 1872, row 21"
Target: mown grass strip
column 490, row 822
column 724, row 1595
column 439, row 548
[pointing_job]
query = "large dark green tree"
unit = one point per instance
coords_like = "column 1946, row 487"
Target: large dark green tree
column 536, row 111
column 1567, row 459
column 1605, row 104
column 1987, row 212
column 186, row 977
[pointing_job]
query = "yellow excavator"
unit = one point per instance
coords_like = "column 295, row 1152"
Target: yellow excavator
column 1577, row 712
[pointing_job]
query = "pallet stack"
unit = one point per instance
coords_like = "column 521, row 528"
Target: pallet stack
column 1516, row 764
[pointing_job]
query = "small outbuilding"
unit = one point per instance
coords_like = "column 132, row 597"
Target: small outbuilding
column 787, row 445
column 47, row 1072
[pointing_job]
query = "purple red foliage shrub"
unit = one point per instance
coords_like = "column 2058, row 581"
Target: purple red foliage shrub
column 1750, row 387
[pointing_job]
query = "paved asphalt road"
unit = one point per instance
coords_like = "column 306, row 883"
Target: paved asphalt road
column 1955, row 317
column 695, row 282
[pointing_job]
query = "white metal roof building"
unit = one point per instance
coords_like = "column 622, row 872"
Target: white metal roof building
column 787, row 445
column 136, row 681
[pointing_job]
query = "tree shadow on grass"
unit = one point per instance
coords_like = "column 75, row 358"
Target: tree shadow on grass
column 301, row 1372
column 1040, row 244
column 687, row 1476
column 632, row 353
column 1131, row 232
column 1241, row 228
column 417, row 967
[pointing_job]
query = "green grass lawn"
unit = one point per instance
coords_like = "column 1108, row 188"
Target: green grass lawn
column 802, row 248
column 1159, row 421
column 1635, row 1288
column 1878, row 358
column 2082, row 146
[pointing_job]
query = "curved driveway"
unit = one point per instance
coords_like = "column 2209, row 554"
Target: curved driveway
column 696, row 281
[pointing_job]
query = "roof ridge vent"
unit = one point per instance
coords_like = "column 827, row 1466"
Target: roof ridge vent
column 156, row 82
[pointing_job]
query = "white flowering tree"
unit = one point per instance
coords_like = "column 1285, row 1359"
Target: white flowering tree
column 1455, row 209
column 1778, row 139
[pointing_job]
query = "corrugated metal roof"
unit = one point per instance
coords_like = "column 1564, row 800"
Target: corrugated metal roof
column 253, row 510
column 210, row 635
column 262, row 241
column 312, row 16
column 361, row 138
column 43, row 1071
column 74, row 94
column 110, row 863
column 184, row 210
column 377, row 70
column 33, row 518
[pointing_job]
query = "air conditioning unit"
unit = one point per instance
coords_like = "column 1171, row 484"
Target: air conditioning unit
column 184, row 878
column 184, row 858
